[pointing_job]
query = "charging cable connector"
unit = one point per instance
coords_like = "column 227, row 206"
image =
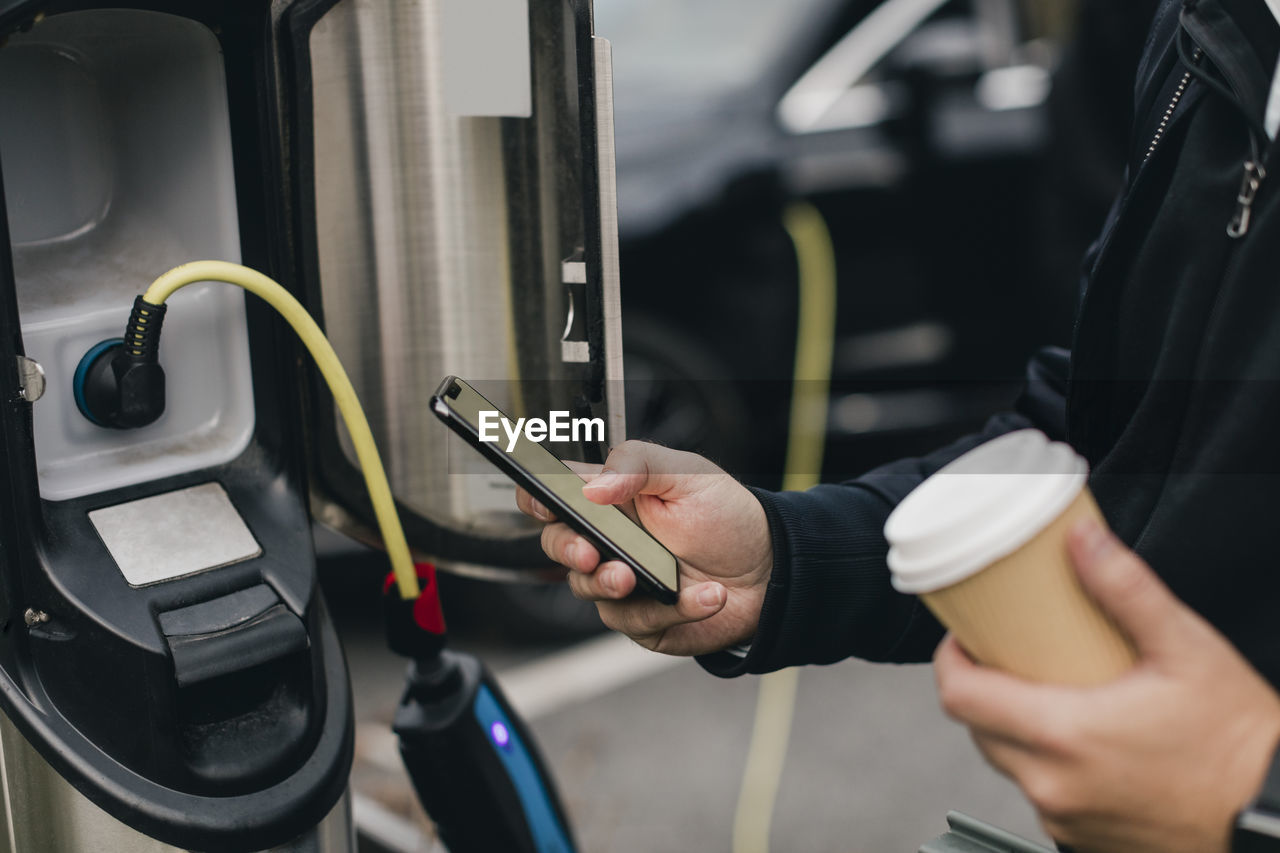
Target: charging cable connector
column 119, row 383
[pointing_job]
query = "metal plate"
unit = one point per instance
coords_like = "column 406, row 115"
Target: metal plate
column 610, row 255
column 486, row 58
column 175, row 534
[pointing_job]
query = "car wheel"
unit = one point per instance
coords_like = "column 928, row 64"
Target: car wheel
column 679, row 395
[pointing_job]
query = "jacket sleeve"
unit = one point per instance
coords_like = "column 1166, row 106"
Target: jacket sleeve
column 829, row 596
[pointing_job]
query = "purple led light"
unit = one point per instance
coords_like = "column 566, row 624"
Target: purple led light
column 500, row 735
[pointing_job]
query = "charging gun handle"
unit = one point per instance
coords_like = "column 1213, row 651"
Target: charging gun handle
column 474, row 763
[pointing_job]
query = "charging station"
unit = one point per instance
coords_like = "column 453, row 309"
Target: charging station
column 169, row 677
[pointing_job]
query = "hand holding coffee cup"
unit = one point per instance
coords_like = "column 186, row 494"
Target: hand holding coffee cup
column 983, row 542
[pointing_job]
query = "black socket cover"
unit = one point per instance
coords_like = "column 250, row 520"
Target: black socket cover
column 123, row 392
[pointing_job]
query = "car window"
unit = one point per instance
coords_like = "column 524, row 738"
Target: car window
column 698, row 47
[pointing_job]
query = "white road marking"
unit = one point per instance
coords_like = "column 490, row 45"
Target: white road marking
column 581, row 673
column 376, row 744
column 388, row 830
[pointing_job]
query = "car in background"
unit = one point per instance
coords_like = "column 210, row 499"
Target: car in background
column 917, row 128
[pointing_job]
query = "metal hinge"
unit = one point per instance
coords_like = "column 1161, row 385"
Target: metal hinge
column 31, row 381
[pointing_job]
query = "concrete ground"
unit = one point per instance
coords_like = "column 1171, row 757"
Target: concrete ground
column 648, row 751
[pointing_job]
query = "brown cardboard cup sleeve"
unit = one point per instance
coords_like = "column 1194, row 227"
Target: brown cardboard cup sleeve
column 983, row 542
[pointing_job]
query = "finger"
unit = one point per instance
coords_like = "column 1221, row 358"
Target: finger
column 634, row 468
column 588, row 473
column 569, row 549
column 1046, row 783
column 641, row 618
column 532, row 507
column 610, row 582
column 1002, row 754
column 1126, row 588
column 994, row 702
column 585, row 470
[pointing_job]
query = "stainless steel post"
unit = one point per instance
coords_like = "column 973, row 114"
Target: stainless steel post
column 451, row 237
column 43, row 813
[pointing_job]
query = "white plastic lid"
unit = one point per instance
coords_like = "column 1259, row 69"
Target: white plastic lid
column 983, row 506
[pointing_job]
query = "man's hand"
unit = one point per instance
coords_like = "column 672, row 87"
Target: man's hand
column 1160, row 759
column 714, row 526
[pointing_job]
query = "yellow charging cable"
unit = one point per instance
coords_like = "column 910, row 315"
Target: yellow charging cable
column 815, row 347
column 806, row 445
column 335, row 376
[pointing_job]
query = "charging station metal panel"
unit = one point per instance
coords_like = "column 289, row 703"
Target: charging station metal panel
column 175, row 534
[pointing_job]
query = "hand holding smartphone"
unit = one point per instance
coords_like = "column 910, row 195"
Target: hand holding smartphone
column 543, row 475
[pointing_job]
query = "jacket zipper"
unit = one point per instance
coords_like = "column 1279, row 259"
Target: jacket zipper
column 1136, row 182
column 1173, row 105
column 1254, row 174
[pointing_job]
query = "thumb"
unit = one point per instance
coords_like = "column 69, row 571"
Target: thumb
column 1126, row 588
column 637, row 468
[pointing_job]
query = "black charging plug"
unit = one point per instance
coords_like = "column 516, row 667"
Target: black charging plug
column 120, row 383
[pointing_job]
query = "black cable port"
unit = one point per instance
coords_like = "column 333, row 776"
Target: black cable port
column 119, row 383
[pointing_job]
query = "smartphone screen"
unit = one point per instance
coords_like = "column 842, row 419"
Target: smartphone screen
column 548, row 479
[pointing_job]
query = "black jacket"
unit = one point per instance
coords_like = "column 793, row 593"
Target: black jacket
column 1170, row 390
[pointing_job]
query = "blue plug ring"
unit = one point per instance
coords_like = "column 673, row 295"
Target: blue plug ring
column 95, row 352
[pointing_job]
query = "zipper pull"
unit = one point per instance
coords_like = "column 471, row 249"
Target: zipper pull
column 1254, row 175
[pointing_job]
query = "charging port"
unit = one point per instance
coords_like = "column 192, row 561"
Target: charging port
column 119, row 384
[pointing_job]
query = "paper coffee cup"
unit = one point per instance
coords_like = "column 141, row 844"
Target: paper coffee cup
column 983, row 542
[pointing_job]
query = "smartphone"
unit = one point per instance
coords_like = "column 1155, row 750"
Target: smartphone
column 544, row 476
